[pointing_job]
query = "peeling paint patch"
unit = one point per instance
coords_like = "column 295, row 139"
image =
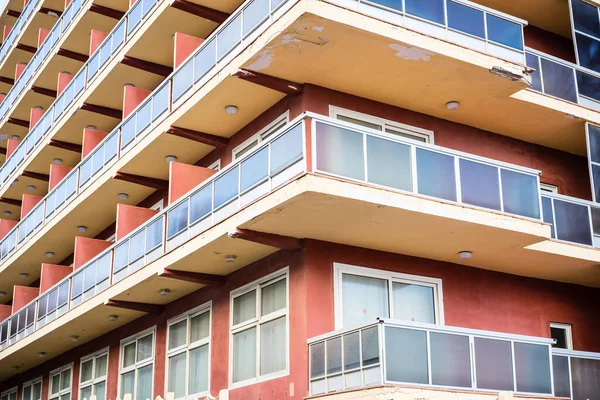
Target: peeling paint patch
column 287, row 39
column 262, row 60
column 411, row 53
column 318, row 28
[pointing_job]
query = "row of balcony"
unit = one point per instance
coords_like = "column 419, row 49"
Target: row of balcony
column 394, row 352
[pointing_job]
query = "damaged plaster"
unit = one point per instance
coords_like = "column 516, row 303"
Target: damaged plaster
column 411, row 53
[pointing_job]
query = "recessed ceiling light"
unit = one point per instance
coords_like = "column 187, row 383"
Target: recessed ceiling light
column 91, row 127
column 7, row 213
column 15, row 182
column 38, row 107
column 74, row 338
column 31, row 188
column 82, row 228
column 123, row 196
column 170, row 159
column 14, row 137
column 49, row 254
column 113, row 317
column 24, row 275
column 42, row 354
column 452, row 105
column 231, row 110
column 129, row 85
column 2, row 294
column 230, row 258
column 164, row 292
column 464, row 255
column 57, row 161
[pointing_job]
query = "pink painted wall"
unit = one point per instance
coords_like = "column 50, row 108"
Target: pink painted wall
column 5, row 226
column 6, row 31
column 57, row 174
column 63, row 80
column 91, row 138
column 34, row 116
column 130, row 217
column 23, row 295
column 29, row 201
column 5, row 311
column 96, row 39
column 19, row 70
column 184, row 177
column 2, row 97
column 132, row 97
column 11, row 146
column 184, row 46
column 52, row 274
column 86, row 249
column 42, row 35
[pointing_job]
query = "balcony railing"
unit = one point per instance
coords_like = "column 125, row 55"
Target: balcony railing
column 394, row 352
column 573, row 220
column 459, row 21
column 17, row 28
column 257, row 173
column 576, row 374
column 564, row 80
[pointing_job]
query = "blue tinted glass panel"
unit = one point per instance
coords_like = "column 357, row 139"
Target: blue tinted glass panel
column 520, row 194
column 144, row 116
column 255, row 169
column 110, row 148
column 201, row 204
column 136, row 246
column 559, row 80
column 177, row 219
column 103, row 267
column 340, row 151
column 393, row 4
column 594, row 142
column 226, row 187
column 432, row 10
column 588, row 85
column 588, row 50
column 205, row 60
column 255, row 13
column 154, row 234
column 286, row 149
column 389, row 163
column 504, row 32
column 89, row 276
column 585, row 17
column 121, row 257
column 572, row 222
column 229, row 37
column 135, row 17
column 118, row 37
column 547, row 213
column 182, row 80
column 435, row 175
column 466, row 19
column 160, row 102
column 128, row 132
column 536, row 78
column 479, row 184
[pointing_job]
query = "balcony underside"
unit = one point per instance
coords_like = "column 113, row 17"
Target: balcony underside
column 29, row 101
column 394, row 68
column 121, row 5
column 15, row 57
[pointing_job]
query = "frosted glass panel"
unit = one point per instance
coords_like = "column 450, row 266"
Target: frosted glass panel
column 560, row 369
column 493, row 360
column 479, row 184
column 413, row 302
column 532, row 362
column 351, row 351
column 520, row 194
column 585, row 375
column 389, row 163
column 435, row 174
column 334, row 355
column 450, row 360
column 406, row 355
column 317, row 360
column 340, row 151
column 364, row 299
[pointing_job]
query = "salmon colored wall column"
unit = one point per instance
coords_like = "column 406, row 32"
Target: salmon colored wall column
column 35, row 115
column 52, row 274
column 11, row 146
column 86, row 249
column 96, row 39
column 184, row 177
column 63, row 80
column 91, row 138
column 42, row 35
column 57, row 174
column 132, row 97
column 29, row 201
column 130, row 217
column 5, row 311
column 6, row 31
column 23, row 295
column 2, row 97
column 19, row 68
column 67, row 2
column 5, row 226
column 184, row 46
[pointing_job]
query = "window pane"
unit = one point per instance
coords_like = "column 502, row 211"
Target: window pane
column 585, row 378
column 244, row 307
column 144, row 350
column 201, row 203
column 255, row 169
column 129, row 355
column 198, row 370
column 65, row 379
column 504, row 32
column 63, row 397
column 465, row 19
column 334, row 355
column 559, row 80
column 286, row 149
column 27, row 392
column 479, row 184
column 144, row 383
column 86, row 371
column 177, row 219
column 588, row 85
column 127, row 383
column 435, row 175
column 200, row 327
column 560, row 335
column 86, row 393
column 244, row 355
column 594, row 142
column 432, row 10
column 177, row 370
column 532, row 362
column 37, row 391
column 585, row 17
column 370, row 346
column 389, row 163
column 572, row 222
column 317, row 360
column 177, row 334
column 562, row 384
column 274, row 297
column 406, row 355
column 493, row 360
column 520, row 194
column 100, row 391
column 340, row 151
column 226, row 187
column 273, row 352
column 364, row 299
column 588, row 51
column 55, row 384
column 413, row 302
column 351, row 351
column 450, row 360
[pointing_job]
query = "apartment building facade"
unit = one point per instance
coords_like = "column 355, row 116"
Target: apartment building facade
column 334, row 199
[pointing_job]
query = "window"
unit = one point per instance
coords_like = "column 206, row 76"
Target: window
column 562, row 334
column 92, row 375
column 32, row 390
column 363, row 295
column 10, row 394
column 137, row 362
column 259, row 333
column 188, row 354
column 548, row 188
column 380, row 124
column 216, row 165
column 262, row 135
column 586, row 26
column 60, row 383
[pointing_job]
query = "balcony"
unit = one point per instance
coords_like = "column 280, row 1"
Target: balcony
column 443, row 357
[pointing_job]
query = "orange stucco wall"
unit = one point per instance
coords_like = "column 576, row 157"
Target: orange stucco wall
column 34, row 116
column 29, row 201
column 132, row 97
column 184, row 46
column 91, row 138
column 57, row 174
column 52, row 274
column 184, row 177
column 23, row 295
column 5, row 226
column 86, row 249
column 130, row 217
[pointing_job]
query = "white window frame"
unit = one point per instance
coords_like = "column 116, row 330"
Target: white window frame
column 159, row 205
column 546, row 187
column 257, row 322
column 260, row 135
column 216, row 165
column 94, row 381
column 61, row 392
column 410, row 130
column 40, row 380
column 8, row 392
column 568, row 332
column 136, row 365
column 188, row 315
column 390, row 276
